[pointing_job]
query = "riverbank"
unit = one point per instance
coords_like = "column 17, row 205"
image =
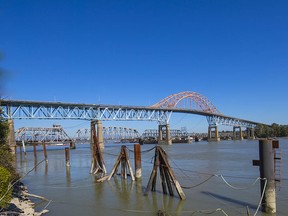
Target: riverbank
column 21, row 203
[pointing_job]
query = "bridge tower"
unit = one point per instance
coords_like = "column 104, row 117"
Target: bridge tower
column 237, row 133
column 250, row 133
column 164, row 130
column 213, row 134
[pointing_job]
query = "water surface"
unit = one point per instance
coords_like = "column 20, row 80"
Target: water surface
column 197, row 166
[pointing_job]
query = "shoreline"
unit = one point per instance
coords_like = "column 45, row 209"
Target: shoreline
column 21, row 203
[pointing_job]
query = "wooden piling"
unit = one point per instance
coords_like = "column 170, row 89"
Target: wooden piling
column 97, row 164
column 67, row 156
column 122, row 159
column 168, row 179
column 266, row 156
column 45, row 152
column 72, row 144
column 137, row 156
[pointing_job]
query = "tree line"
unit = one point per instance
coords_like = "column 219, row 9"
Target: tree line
column 275, row 130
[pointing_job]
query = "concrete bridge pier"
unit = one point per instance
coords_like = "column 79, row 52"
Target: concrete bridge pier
column 11, row 141
column 237, row 133
column 160, row 134
column 213, row 134
column 167, row 140
column 250, row 133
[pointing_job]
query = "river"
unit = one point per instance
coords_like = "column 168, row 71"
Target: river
column 220, row 177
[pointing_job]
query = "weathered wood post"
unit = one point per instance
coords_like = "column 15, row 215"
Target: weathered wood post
column 72, row 144
column 168, row 179
column 67, row 156
column 122, row 159
column 267, row 184
column 137, row 156
column 45, row 152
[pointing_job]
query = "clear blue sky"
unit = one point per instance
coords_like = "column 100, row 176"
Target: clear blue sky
column 138, row 52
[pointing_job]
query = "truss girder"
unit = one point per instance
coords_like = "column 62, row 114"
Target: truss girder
column 162, row 114
column 173, row 133
column 223, row 120
column 37, row 134
column 38, row 111
column 110, row 133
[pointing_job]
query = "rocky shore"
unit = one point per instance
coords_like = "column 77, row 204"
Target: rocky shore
column 21, row 204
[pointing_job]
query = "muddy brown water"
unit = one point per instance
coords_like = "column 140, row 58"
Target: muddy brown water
column 218, row 177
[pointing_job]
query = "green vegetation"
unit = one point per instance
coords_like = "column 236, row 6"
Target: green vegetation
column 7, row 170
column 275, row 130
column 5, row 180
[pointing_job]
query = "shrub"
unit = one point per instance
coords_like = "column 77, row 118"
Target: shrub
column 5, row 180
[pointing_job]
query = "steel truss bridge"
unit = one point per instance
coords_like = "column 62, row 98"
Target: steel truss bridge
column 53, row 134
column 183, row 102
column 173, row 133
column 109, row 133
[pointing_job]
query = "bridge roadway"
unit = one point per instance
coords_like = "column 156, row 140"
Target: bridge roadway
column 19, row 109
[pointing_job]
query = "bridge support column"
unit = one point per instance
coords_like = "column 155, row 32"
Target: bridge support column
column 100, row 134
column 237, row 133
column 11, row 141
column 213, row 134
column 168, row 136
column 167, row 140
column 250, row 133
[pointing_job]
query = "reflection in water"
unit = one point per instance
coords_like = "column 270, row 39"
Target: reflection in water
column 35, row 164
column 68, row 176
column 46, row 167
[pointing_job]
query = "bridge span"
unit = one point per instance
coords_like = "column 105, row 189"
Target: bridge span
column 183, row 102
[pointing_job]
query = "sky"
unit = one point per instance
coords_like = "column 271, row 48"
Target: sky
column 138, row 52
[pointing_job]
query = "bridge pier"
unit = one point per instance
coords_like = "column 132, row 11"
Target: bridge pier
column 160, row 134
column 11, row 141
column 167, row 139
column 237, row 133
column 213, row 134
column 250, row 133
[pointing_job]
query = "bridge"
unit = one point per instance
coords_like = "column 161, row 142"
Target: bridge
column 183, row 102
column 34, row 135
column 109, row 133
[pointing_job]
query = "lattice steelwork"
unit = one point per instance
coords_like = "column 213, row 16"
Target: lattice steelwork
column 173, row 133
column 184, row 102
column 225, row 120
column 52, row 110
column 116, row 133
column 109, row 133
column 38, row 134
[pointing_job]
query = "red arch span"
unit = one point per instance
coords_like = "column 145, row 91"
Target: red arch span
column 187, row 100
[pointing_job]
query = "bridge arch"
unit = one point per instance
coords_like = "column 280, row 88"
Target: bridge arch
column 188, row 100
